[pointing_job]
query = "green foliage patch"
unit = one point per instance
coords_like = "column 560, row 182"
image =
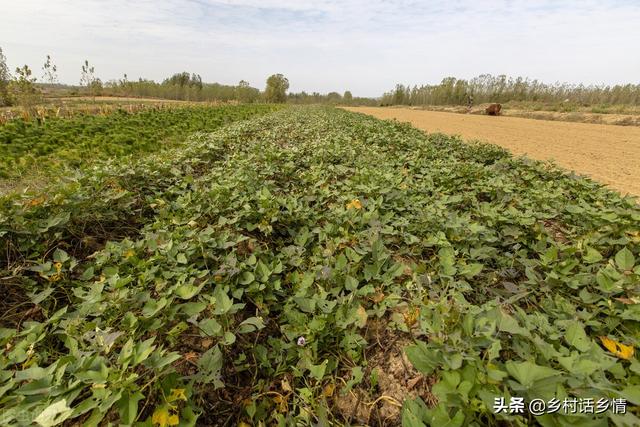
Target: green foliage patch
column 53, row 144
column 261, row 273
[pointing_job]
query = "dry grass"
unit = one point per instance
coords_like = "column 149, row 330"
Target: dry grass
column 581, row 116
column 73, row 106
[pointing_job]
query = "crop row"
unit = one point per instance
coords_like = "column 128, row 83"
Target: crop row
column 56, row 143
column 317, row 266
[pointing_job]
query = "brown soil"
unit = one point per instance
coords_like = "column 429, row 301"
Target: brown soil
column 380, row 404
column 631, row 117
column 606, row 153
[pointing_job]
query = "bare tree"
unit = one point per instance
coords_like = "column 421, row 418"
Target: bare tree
column 5, row 78
column 89, row 80
column 50, row 71
column 24, row 90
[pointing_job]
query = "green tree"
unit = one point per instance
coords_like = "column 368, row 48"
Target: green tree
column 184, row 85
column 245, row 93
column 347, row 97
column 5, row 78
column 96, row 87
column 399, row 95
column 334, row 98
column 276, row 90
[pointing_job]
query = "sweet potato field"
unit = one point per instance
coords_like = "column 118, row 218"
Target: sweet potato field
column 317, row 266
column 55, row 144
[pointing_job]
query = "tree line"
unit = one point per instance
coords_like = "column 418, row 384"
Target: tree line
column 489, row 88
column 24, row 89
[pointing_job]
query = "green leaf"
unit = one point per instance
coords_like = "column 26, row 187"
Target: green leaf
column 126, row 352
column 210, row 327
column 414, row 413
column 187, row 291
column 209, row 367
column 308, row 305
column 350, row 283
column 471, row 270
column 246, row 278
column 54, row 414
column 576, row 336
column 87, row 274
column 592, row 256
column 229, row 338
column 527, row 373
column 181, row 258
column 625, row 259
column 142, row 350
column 60, row 256
column 317, row 371
column 262, row 272
column 153, row 307
column 422, row 358
column 128, row 407
column 356, row 378
column 251, row 324
column 632, row 394
column 222, row 301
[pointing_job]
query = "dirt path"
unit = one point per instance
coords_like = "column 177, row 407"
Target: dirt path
column 609, row 154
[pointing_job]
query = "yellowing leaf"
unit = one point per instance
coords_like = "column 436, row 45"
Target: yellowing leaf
column 328, row 390
column 362, row 316
column 628, row 301
column 621, row 350
column 177, row 394
column 282, row 403
column 129, row 253
column 286, row 387
column 163, row 418
column 378, row 297
column 411, row 317
column 35, row 202
column 243, row 424
column 54, row 277
column 354, row 204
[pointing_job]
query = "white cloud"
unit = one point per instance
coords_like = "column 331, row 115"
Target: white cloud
column 323, row 45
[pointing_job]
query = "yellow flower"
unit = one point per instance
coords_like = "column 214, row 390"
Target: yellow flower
column 354, row 204
column 622, row 351
column 58, row 266
column 129, row 253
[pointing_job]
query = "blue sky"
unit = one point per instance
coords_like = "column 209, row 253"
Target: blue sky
column 365, row 46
